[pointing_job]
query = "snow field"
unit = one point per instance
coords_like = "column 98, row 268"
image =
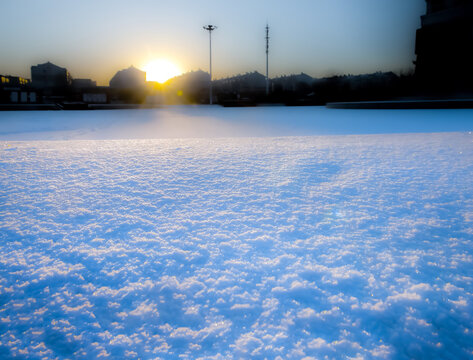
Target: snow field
column 355, row 246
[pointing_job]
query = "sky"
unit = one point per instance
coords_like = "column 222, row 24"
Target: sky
column 95, row 39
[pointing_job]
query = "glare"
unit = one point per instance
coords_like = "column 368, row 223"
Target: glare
column 161, row 70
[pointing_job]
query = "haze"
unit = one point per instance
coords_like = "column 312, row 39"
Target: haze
column 94, row 39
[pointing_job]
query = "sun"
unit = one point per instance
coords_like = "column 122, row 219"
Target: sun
column 161, row 70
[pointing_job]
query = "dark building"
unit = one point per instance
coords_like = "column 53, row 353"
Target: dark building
column 15, row 89
column 130, row 78
column 444, row 45
column 83, row 83
column 299, row 82
column 243, row 84
column 49, row 76
column 191, row 87
column 13, row 81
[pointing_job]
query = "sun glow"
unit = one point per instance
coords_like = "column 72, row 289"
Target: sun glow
column 161, row 70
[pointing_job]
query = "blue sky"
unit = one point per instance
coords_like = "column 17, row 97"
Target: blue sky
column 94, row 39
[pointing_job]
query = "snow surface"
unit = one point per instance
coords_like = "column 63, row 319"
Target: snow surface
column 214, row 121
column 296, row 247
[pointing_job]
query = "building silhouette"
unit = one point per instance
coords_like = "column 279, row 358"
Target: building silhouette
column 444, row 45
column 243, row 84
column 16, row 89
column 130, row 78
column 294, row 82
column 191, row 87
column 49, row 76
column 83, row 83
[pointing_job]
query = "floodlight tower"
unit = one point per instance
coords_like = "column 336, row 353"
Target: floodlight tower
column 267, row 57
column 210, row 28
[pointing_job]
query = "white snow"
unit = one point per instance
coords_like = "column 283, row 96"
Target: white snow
column 346, row 246
column 213, row 121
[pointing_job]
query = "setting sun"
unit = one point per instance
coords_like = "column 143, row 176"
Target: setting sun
column 161, row 70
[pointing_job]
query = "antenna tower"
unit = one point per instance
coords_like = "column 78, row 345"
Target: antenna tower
column 267, row 56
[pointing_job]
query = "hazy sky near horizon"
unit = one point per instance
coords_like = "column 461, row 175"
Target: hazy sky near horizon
column 94, row 39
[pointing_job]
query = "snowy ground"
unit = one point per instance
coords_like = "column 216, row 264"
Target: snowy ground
column 289, row 247
column 212, row 122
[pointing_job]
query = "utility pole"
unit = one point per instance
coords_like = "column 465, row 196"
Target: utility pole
column 210, row 28
column 267, row 62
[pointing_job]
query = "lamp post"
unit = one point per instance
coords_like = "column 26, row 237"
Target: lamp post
column 210, row 28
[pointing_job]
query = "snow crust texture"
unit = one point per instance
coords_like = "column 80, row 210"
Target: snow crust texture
column 355, row 246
